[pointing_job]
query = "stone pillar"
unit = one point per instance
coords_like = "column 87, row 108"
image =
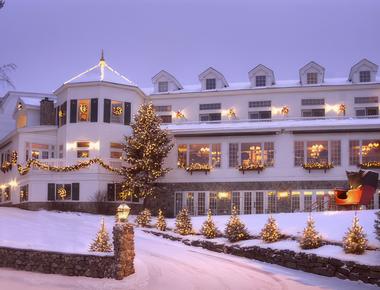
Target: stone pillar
column 124, row 250
column 47, row 112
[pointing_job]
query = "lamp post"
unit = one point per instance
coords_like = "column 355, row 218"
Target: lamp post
column 122, row 213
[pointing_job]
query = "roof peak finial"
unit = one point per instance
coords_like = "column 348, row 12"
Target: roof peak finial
column 102, row 55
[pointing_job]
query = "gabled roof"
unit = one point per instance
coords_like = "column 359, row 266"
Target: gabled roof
column 259, row 68
column 363, row 63
column 101, row 72
column 218, row 74
column 168, row 76
column 315, row 66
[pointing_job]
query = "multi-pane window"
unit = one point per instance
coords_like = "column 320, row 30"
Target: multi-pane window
column 210, row 117
column 233, row 157
column 295, row 201
column 216, row 155
column 83, row 110
column 320, row 201
column 60, row 151
column 259, row 104
column 201, row 203
column 199, row 154
column 165, row 119
column 190, row 202
column 261, row 81
column 116, row 150
column 115, row 192
column 299, row 153
column 117, row 112
column 317, row 151
column 370, row 150
column 336, row 152
column 268, row 154
column 354, row 147
column 307, row 201
column 7, row 194
column 253, row 153
column 312, row 78
column 272, row 202
column 214, row 106
column 366, row 100
column 259, row 115
column 366, row 111
column 182, row 156
column 312, row 102
column 236, row 201
column 163, row 87
column 247, row 203
column 313, row 113
column 212, row 202
column 364, row 76
column 163, row 108
column 83, row 149
column 260, row 202
column 210, row 84
column 178, row 202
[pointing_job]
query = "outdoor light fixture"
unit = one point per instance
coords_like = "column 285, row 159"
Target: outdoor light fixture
column 122, row 213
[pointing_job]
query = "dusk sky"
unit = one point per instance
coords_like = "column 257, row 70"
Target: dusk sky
column 52, row 41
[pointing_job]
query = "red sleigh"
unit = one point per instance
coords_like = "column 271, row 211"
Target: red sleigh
column 362, row 194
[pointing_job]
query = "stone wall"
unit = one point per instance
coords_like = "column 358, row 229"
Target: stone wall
column 117, row 265
column 330, row 267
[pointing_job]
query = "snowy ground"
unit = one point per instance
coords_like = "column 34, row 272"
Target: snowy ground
column 331, row 224
column 160, row 264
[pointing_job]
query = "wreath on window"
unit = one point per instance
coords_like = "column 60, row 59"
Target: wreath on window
column 83, row 108
column 117, row 111
column 61, row 114
column 62, row 192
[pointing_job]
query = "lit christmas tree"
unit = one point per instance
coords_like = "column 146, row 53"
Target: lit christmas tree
column 145, row 151
column 270, row 233
column 235, row 229
column 143, row 218
column 310, row 239
column 161, row 223
column 183, row 224
column 209, row 229
column 102, row 240
column 355, row 242
column 377, row 225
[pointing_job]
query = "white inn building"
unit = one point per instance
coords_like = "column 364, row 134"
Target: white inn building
column 264, row 146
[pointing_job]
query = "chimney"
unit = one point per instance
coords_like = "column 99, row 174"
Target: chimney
column 47, row 112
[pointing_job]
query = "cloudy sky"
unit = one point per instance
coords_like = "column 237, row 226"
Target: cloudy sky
column 51, row 41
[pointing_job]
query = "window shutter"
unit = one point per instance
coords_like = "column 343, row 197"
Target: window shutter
column 127, row 113
column 51, row 191
column 107, row 111
column 75, row 191
column 94, row 110
column 110, row 191
column 64, row 110
column 57, row 114
column 73, row 111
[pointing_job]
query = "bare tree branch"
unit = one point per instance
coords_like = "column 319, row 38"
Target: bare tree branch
column 2, row 3
column 4, row 71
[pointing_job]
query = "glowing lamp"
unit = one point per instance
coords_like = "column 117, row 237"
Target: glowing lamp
column 122, row 213
column 223, row 195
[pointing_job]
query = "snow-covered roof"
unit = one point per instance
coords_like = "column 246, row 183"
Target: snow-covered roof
column 31, row 101
column 101, row 72
column 247, row 85
column 273, row 125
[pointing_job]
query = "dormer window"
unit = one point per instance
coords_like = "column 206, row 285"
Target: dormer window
column 364, row 76
column 210, row 84
column 163, row 87
column 261, row 81
column 312, row 78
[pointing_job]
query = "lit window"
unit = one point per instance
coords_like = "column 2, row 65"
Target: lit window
column 35, row 154
column 317, row 152
column 210, row 84
column 24, row 193
column 117, row 112
column 116, row 150
column 312, row 78
column 163, row 87
column 261, row 81
column 83, row 110
column 364, row 76
column 370, row 150
column 199, row 154
column 251, row 153
column 216, row 155
column 83, row 151
column 182, row 156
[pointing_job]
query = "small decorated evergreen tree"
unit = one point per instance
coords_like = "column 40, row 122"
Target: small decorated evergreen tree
column 355, row 242
column 270, row 233
column 310, row 239
column 235, row 229
column 209, row 230
column 102, row 240
column 183, row 224
column 377, row 225
column 143, row 218
column 161, row 223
